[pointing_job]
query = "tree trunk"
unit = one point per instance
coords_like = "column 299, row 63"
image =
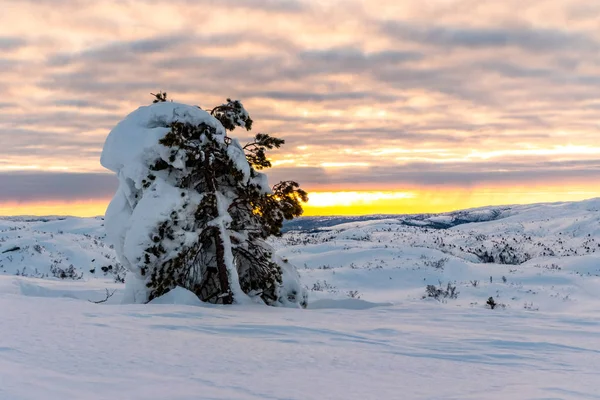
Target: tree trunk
column 225, row 295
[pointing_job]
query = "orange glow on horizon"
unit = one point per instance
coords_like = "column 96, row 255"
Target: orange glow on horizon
column 438, row 201
column 89, row 208
column 413, row 201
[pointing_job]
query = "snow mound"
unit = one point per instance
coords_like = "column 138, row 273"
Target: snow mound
column 179, row 296
column 344, row 304
column 135, row 139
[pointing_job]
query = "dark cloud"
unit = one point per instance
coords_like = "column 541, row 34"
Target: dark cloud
column 530, row 39
column 288, row 66
column 401, row 135
column 515, row 70
column 313, row 97
column 559, row 76
column 346, row 60
column 355, row 58
column 8, row 43
column 447, row 174
column 35, row 186
column 174, row 50
column 91, row 104
column 121, row 51
column 453, row 80
column 99, row 80
column 288, row 6
column 7, row 65
column 233, row 68
column 74, row 119
column 278, row 6
column 38, row 142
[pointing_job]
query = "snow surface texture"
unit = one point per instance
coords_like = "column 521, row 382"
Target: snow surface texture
column 367, row 333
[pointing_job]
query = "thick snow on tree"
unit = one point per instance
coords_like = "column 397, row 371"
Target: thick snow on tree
column 192, row 210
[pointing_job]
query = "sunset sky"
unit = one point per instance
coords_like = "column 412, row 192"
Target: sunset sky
column 385, row 106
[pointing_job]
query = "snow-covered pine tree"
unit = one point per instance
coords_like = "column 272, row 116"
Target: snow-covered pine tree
column 215, row 209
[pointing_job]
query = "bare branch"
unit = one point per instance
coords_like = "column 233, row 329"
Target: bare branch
column 108, row 296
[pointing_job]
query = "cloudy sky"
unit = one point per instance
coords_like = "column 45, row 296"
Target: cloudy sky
column 386, row 106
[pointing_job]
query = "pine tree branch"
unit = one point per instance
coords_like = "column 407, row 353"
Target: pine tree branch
column 222, row 107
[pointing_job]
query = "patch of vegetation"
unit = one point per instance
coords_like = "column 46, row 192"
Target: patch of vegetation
column 441, row 293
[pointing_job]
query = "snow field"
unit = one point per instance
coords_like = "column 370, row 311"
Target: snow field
column 367, row 333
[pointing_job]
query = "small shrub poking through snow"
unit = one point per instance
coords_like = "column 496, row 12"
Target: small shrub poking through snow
column 492, row 304
column 437, row 264
column 319, row 286
column 69, row 272
column 441, row 293
column 530, row 307
column 117, row 271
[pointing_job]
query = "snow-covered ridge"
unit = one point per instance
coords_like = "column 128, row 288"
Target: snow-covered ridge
column 507, row 235
column 50, row 247
column 448, row 219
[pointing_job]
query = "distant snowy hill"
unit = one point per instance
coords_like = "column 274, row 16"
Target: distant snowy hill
column 37, row 246
column 397, row 302
column 508, row 252
column 434, row 221
column 46, row 247
column 443, row 220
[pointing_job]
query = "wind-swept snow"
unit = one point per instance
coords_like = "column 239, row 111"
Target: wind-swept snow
column 63, row 348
